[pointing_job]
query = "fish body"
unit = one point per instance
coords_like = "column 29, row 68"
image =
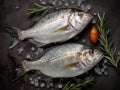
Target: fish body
column 67, row 60
column 57, row 26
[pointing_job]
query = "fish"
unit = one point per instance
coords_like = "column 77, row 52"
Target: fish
column 58, row 26
column 65, row 61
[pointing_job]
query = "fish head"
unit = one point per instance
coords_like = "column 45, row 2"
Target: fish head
column 79, row 20
column 83, row 17
column 90, row 57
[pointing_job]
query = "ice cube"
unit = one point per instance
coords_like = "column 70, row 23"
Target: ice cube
column 79, row 3
column 118, row 53
column 66, row 4
column 51, row 83
column 85, row 7
column 83, row 40
column 17, row 7
column 33, row 48
column 54, row 2
column 42, row 84
column 60, row 85
column 28, row 56
column 59, row 3
column 43, row 2
column 20, row 50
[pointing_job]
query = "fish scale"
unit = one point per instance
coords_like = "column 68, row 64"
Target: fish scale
column 58, row 26
column 67, row 60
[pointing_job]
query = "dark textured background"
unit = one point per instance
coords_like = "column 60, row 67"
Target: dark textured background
column 12, row 16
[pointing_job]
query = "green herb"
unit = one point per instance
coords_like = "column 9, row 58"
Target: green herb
column 106, row 43
column 39, row 9
column 79, row 84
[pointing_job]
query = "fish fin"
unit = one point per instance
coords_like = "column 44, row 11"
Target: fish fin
column 62, row 29
column 79, row 54
column 71, row 65
column 14, row 32
column 37, row 44
column 23, row 70
column 20, row 74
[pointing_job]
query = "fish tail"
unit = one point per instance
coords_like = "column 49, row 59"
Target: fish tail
column 13, row 31
column 19, row 63
column 16, row 34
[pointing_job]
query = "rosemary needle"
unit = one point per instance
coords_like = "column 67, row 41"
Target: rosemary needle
column 79, row 84
column 105, row 42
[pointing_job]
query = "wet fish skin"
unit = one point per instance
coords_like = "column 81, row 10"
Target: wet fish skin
column 55, row 27
column 68, row 60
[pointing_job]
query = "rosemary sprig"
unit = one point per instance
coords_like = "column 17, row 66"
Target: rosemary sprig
column 79, row 84
column 38, row 9
column 106, row 43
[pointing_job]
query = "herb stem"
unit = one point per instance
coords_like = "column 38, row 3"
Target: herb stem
column 106, row 45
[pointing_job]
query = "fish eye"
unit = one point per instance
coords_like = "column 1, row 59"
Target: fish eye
column 80, row 14
column 91, row 51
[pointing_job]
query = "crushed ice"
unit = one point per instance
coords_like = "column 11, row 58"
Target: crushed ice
column 85, row 7
column 20, row 50
column 28, row 56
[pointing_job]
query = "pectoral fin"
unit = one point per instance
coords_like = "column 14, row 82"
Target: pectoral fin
column 62, row 29
column 71, row 65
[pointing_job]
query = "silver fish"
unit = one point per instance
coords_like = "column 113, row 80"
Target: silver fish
column 68, row 60
column 58, row 26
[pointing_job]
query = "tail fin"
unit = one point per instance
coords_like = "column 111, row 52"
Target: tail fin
column 20, row 63
column 14, row 34
column 13, row 31
column 22, row 71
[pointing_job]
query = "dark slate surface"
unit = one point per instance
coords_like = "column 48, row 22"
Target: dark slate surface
column 10, row 15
